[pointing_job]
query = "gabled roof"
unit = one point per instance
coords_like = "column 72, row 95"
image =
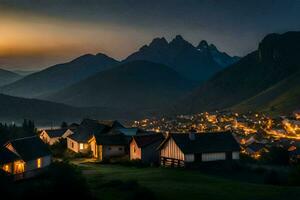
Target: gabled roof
column 145, row 140
column 30, row 148
column 112, row 139
column 256, row 146
column 111, row 123
column 6, row 156
column 87, row 129
column 56, row 132
column 129, row 131
column 204, row 142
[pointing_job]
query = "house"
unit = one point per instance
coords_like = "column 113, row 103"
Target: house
column 106, row 146
column 79, row 140
column 53, row 136
column 180, row 149
column 144, row 147
column 25, row 157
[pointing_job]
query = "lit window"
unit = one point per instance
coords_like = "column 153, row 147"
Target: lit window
column 80, row 146
column 39, row 163
column 6, row 168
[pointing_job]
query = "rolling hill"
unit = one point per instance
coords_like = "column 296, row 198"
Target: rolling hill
column 276, row 59
column 194, row 63
column 137, row 85
column 59, row 76
column 15, row 109
column 7, row 77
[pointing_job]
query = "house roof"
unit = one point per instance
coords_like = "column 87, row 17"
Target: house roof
column 6, row 156
column 144, row 140
column 204, row 142
column 256, row 146
column 56, row 132
column 112, row 139
column 30, row 148
column 111, row 123
column 88, row 127
column 129, row 131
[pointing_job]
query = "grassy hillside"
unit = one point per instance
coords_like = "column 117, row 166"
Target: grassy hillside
column 281, row 98
column 179, row 184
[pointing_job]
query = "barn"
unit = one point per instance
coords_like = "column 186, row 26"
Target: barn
column 180, row 149
column 144, row 147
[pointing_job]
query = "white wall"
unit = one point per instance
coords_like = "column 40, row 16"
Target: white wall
column 236, row 155
column 32, row 164
column 189, row 158
column 213, row 156
column 115, row 150
column 74, row 147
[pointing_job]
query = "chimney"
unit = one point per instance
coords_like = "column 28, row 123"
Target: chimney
column 192, row 136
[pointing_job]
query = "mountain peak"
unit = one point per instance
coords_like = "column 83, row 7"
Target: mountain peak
column 159, row 42
column 180, row 41
column 202, row 45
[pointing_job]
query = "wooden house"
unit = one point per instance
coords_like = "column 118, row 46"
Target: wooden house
column 25, row 157
column 144, row 147
column 180, row 149
column 106, row 146
column 79, row 140
column 53, row 136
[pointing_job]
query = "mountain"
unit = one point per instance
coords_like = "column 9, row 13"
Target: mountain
column 59, row 76
column 183, row 57
column 276, row 59
column 137, row 85
column 7, row 77
column 25, row 72
column 222, row 58
column 15, row 109
column 283, row 97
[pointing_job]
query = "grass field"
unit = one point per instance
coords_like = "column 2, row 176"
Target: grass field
column 180, row 184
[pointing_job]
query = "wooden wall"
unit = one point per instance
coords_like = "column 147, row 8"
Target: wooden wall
column 135, row 151
column 171, row 150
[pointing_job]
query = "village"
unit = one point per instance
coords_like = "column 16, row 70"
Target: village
column 206, row 142
column 255, row 132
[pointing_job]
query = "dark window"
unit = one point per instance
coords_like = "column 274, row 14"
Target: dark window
column 72, row 144
column 120, row 148
column 109, row 148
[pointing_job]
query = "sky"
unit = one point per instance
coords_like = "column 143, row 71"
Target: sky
column 36, row 34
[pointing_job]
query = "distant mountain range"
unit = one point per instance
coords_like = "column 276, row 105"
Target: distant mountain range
column 59, row 76
column 194, row 63
column 266, row 79
column 136, row 85
column 159, row 76
column 7, row 77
